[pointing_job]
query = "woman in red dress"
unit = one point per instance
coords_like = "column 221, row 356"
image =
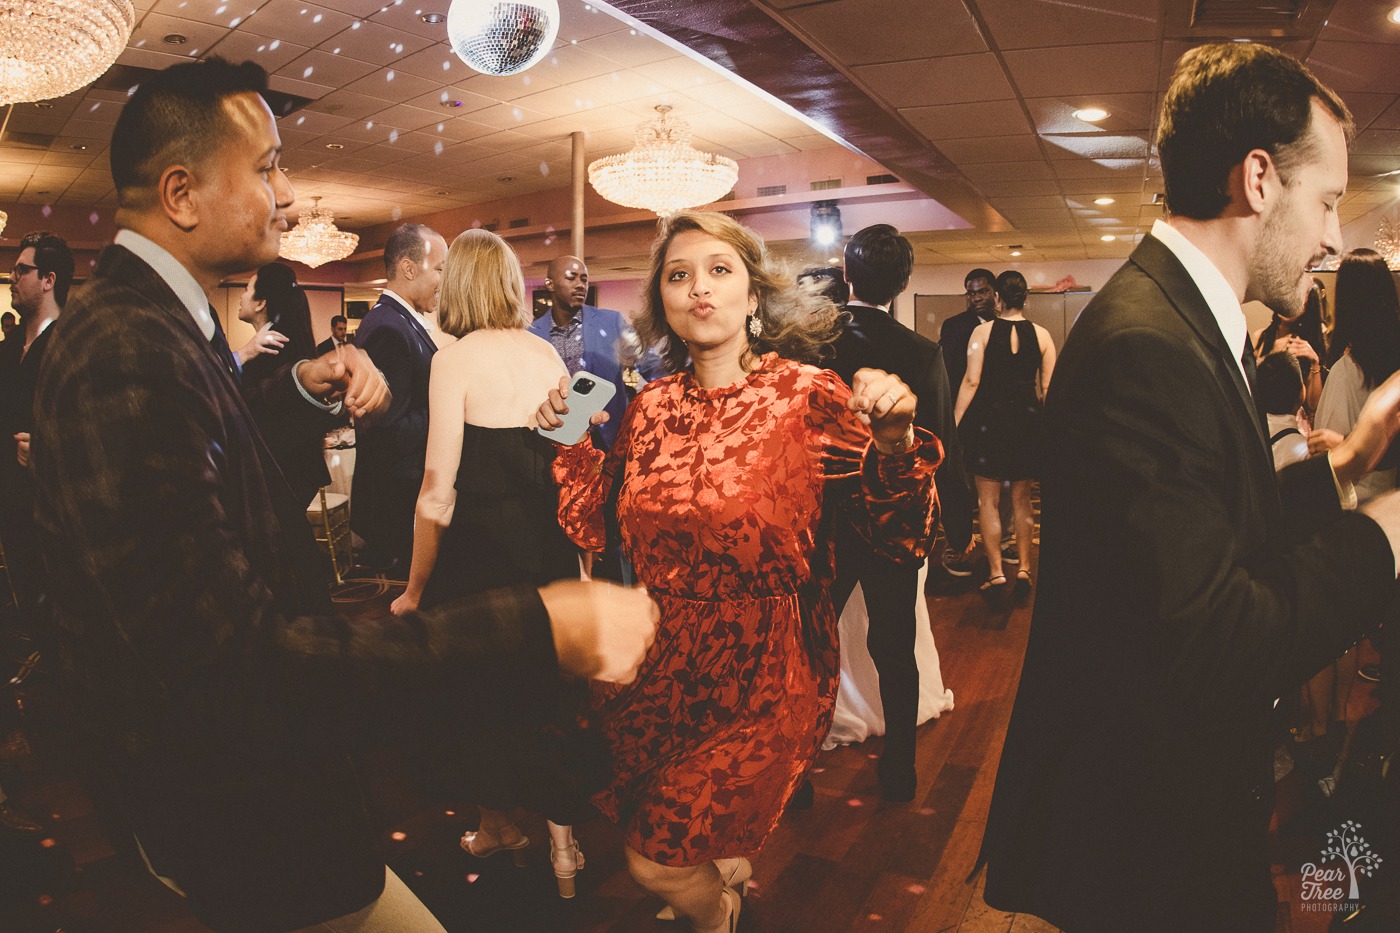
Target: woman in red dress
column 722, row 478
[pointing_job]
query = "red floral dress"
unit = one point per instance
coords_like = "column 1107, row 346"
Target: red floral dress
column 722, row 507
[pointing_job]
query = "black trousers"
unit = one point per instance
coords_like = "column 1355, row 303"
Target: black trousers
column 890, row 590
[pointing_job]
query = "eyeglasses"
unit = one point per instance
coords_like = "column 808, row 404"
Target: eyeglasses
column 22, row 269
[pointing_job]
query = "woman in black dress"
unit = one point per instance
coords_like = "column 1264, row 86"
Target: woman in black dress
column 487, row 517
column 999, row 407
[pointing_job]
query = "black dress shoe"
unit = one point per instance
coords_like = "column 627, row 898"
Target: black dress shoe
column 12, row 819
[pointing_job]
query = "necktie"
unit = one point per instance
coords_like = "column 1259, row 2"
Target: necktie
column 221, row 349
column 1251, row 368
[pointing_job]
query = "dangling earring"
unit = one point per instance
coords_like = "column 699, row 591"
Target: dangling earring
column 755, row 326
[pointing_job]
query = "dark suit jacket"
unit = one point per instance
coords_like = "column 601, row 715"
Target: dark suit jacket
column 1179, row 596
column 326, row 346
column 874, row 339
column 389, row 455
column 19, row 371
column 295, row 437
column 199, row 650
column 953, row 337
column 602, row 329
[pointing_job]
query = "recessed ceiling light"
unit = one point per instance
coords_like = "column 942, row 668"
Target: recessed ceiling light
column 432, row 19
column 1108, row 238
column 452, row 103
column 80, row 147
column 834, row 260
column 1394, row 16
column 173, row 38
column 1015, row 252
column 1103, row 200
column 506, row 179
column 440, row 193
column 41, row 105
column 1090, row 114
column 335, row 145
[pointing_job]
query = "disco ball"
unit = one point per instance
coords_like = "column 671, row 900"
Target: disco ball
column 502, row 37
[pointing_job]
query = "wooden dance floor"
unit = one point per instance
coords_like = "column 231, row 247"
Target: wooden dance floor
column 851, row 862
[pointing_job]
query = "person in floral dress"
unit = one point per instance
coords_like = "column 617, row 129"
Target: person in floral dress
column 723, row 479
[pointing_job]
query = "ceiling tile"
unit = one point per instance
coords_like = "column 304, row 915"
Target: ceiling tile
column 1021, row 24
column 1096, row 147
column 627, row 47
column 388, row 84
column 866, row 31
column 959, row 121
column 1079, row 71
column 1009, row 171
column 1378, row 142
column 991, row 149
column 1128, row 113
column 346, row 104
column 150, row 33
column 307, row 23
column 953, row 80
column 321, row 67
column 1357, row 66
column 373, row 43
column 271, row 53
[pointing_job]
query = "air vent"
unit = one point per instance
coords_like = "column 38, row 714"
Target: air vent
column 772, row 191
column 518, row 222
column 880, row 179
column 826, row 185
column 1245, row 19
column 29, row 140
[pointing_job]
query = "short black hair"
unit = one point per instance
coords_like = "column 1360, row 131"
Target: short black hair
column 1011, row 289
column 1279, row 383
column 980, row 274
column 408, row 242
column 339, row 319
column 829, row 282
column 51, row 254
column 176, row 117
column 1225, row 100
column 878, row 263
column 9, row 318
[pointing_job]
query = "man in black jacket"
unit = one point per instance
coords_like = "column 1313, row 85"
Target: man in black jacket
column 224, row 697
column 878, row 265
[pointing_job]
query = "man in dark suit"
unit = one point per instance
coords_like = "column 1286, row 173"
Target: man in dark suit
column 39, row 287
column 224, row 699
column 878, row 264
column 389, row 454
column 1182, row 589
column 337, row 337
column 980, row 286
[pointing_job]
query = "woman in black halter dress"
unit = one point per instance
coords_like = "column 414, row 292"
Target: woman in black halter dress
column 999, row 413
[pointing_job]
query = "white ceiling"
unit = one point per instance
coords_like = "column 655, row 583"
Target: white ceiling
column 989, row 83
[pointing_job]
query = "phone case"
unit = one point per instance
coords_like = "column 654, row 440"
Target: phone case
column 583, row 405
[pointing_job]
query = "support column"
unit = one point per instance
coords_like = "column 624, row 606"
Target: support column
column 580, row 175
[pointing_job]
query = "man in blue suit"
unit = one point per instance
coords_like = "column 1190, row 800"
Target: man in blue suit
column 589, row 338
column 390, row 453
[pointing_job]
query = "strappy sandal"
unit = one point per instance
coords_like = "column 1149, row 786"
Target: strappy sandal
column 1022, row 588
column 737, row 881
column 991, row 587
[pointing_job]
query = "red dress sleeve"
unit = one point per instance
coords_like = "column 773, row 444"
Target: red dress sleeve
column 891, row 499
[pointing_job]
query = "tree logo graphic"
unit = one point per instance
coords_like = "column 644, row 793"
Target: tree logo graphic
column 1322, row 883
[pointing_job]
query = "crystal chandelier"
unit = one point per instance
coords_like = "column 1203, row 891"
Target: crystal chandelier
column 4, row 219
column 663, row 173
column 1388, row 242
column 502, row 37
column 315, row 241
column 49, row 48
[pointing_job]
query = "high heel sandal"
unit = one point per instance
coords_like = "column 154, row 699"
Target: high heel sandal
column 1022, row 588
column 737, row 881
column 517, row 848
column 566, row 862
column 992, row 589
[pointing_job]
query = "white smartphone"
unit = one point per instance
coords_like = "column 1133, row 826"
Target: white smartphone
column 588, row 395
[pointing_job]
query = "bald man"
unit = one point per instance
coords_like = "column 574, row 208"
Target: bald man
column 590, row 338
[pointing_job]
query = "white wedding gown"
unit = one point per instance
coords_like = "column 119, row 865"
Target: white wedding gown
column 858, row 711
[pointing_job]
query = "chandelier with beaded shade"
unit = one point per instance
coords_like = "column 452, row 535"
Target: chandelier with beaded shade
column 1388, row 242
column 315, row 240
column 49, row 48
column 663, row 173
